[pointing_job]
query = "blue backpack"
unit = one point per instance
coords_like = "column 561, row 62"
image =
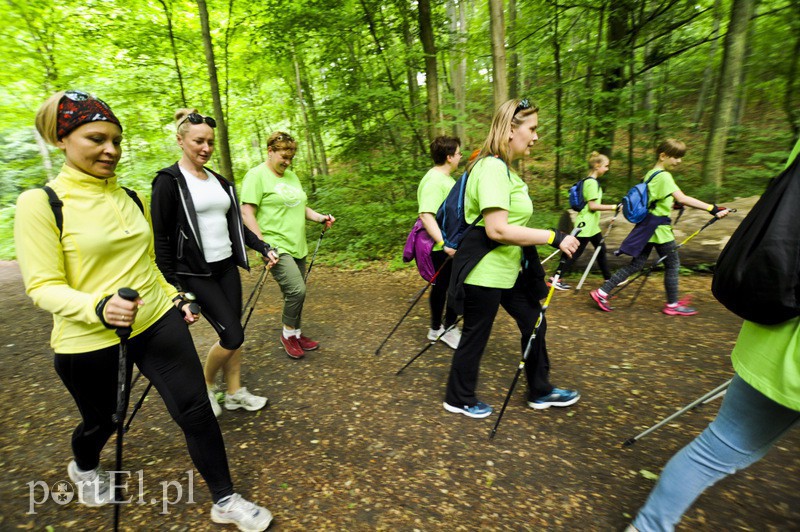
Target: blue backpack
column 451, row 217
column 576, row 200
column 636, row 203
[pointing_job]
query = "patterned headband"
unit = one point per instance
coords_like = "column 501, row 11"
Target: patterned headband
column 77, row 108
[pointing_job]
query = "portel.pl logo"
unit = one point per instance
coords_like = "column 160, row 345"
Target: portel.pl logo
column 64, row 492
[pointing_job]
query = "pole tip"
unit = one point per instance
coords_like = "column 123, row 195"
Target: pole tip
column 629, row 442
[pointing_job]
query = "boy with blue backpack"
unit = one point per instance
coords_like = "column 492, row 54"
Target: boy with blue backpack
column 655, row 231
column 586, row 197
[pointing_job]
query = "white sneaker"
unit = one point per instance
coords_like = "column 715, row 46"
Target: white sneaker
column 244, row 399
column 244, row 514
column 93, row 486
column 212, row 398
column 452, row 337
column 433, row 334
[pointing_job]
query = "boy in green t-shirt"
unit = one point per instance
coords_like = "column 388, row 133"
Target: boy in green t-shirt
column 663, row 193
column 590, row 216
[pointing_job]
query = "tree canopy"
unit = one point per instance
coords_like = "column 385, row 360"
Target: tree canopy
column 364, row 84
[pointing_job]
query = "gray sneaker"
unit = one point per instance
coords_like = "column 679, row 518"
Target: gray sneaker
column 244, row 399
column 244, row 514
column 93, row 487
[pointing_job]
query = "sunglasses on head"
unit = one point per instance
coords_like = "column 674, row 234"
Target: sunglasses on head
column 197, row 118
column 281, row 138
column 77, row 96
column 523, row 104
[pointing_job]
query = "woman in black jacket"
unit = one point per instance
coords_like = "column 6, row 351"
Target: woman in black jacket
column 199, row 241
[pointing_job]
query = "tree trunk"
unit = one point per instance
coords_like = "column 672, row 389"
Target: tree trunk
column 226, row 166
column 309, row 142
column 411, row 68
column 559, row 106
column 458, row 65
column 431, row 72
column 168, row 13
column 741, row 95
column 708, row 74
column 733, row 58
column 609, row 98
column 498, row 31
column 589, row 82
column 513, row 59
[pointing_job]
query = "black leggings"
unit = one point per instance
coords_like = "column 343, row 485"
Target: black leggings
column 480, row 308
column 672, row 264
column 165, row 354
column 602, row 262
column 438, row 297
column 220, row 298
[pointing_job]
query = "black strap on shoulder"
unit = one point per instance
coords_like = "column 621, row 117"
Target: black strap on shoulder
column 135, row 197
column 55, row 204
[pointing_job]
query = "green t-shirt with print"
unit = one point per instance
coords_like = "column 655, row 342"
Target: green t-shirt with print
column 590, row 218
column 281, row 208
column 660, row 191
column 492, row 185
column 431, row 193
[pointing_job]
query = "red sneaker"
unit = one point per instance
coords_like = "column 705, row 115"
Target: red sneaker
column 292, row 347
column 307, row 344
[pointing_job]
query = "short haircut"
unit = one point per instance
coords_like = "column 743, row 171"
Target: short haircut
column 443, row 146
column 672, row 148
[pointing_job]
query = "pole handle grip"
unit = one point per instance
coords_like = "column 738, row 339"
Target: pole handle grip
column 128, row 294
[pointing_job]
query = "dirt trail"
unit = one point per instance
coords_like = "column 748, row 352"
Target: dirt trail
column 347, row 445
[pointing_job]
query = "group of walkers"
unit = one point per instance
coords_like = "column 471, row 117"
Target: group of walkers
column 84, row 238
column 75, row 263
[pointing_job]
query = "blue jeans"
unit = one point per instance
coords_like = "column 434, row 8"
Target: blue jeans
column 746, row 427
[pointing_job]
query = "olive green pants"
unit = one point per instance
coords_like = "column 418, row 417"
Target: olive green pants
column 289, row 273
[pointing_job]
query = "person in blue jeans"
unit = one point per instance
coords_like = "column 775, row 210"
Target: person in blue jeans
column 761, row 405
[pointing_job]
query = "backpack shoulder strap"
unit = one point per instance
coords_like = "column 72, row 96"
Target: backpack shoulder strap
column 55, row 204
column 135, row 197
column 652, row 176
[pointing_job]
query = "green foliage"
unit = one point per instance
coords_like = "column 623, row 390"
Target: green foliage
column 346, row 79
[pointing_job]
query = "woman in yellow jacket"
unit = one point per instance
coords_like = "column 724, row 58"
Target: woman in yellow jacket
column 106, row 243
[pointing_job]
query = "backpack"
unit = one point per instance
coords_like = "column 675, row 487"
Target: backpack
column 451, row 217
column 636, row 203
column 56, row 204
column 576, row 200
column 757, row 276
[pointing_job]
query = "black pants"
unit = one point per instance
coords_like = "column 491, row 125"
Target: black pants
column 672, row 264
column 220, row 298
column 438, row 297
column 165, row 354
column 480, row 308
column 602, row 262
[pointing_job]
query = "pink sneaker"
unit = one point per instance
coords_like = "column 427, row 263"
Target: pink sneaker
column 681, row 309
column 601, row 301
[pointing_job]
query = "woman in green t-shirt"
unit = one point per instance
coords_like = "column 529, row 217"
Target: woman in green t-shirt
column 274, row 208
column 501, row 197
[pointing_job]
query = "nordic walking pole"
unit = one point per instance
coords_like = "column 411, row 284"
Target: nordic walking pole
column 539, row 320
column 710, row 396
column 429, row 345
column 195, row 309
column 597, row 250
column 124, row 333
column 550, row 256
column 314, row 256
column 647, row 271
column 413, row 303
column 257, row 293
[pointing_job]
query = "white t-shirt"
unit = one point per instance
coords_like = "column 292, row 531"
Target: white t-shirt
column 211, row 203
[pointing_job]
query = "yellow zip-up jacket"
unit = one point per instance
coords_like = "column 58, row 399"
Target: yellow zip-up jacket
column 106, row 244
